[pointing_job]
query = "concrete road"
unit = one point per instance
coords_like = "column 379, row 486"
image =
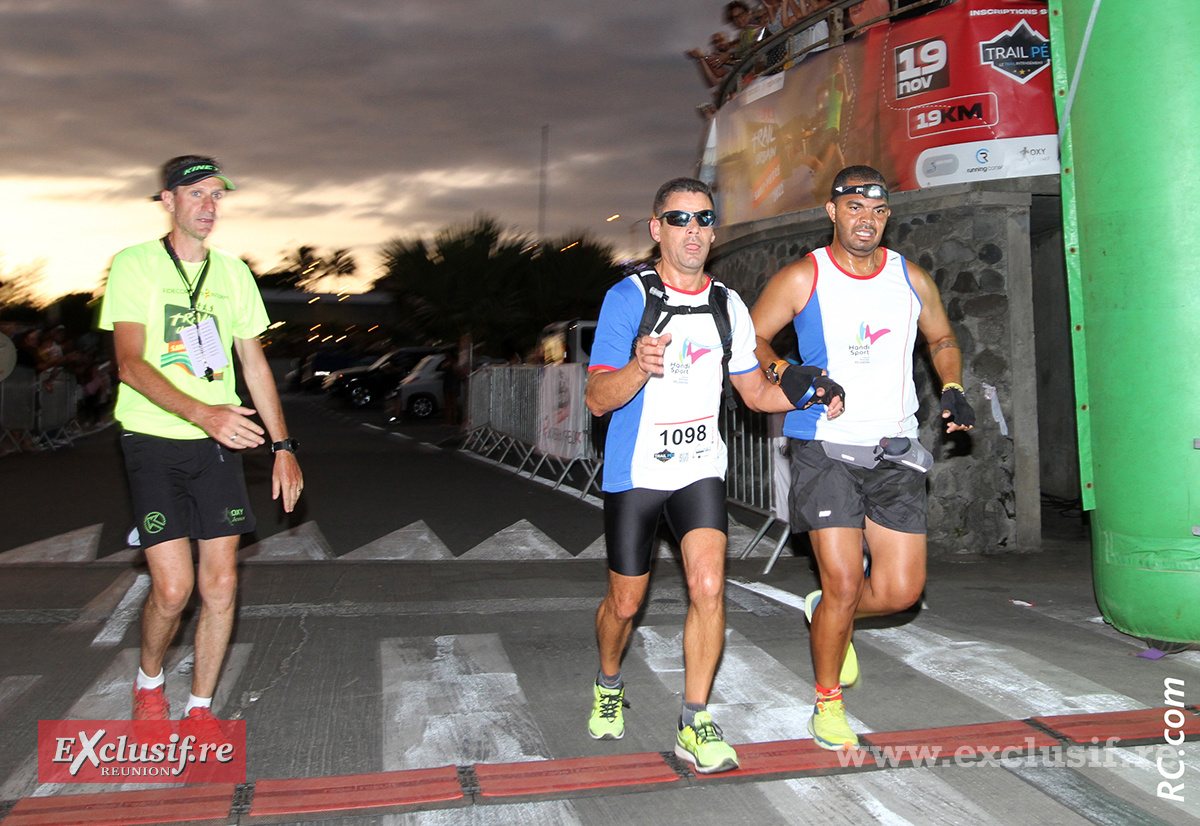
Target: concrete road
column 425, row 608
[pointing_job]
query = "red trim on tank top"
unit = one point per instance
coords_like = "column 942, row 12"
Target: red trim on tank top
column 690, row 292
column 812, row 291
column 859, row 277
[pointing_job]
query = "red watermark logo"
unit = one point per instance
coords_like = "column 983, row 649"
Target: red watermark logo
column 121, row 751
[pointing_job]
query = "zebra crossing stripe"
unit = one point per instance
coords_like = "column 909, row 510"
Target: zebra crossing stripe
column 125, row 613
column 110, row 696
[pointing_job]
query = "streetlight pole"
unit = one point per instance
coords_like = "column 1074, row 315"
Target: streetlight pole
column 542, row 183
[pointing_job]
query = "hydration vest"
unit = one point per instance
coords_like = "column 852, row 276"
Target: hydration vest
column 656, row 306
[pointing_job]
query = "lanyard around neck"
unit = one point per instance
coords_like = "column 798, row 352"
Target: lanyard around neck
column 193, row 292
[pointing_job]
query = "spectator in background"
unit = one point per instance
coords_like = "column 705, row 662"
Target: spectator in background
column 28, row 344
column 716, row 64
column 772, row 12
column 739, row 15
column 795, row 11
column 860, row 13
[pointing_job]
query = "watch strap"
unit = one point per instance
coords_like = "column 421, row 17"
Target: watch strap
column 290, row 445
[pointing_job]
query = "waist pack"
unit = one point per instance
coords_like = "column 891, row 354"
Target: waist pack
column 900, row 450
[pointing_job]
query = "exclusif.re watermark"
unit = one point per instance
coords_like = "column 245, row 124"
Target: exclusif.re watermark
column 117, row 751
column 1173, row 722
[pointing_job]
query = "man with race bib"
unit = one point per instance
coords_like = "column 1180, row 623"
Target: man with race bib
column 664, row 454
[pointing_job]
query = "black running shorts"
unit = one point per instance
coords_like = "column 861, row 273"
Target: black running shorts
column 826, row 493
column 631, row 520
column 181, row 488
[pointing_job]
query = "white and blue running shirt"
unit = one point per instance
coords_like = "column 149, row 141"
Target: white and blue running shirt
column 666, row 437
column 861, row 329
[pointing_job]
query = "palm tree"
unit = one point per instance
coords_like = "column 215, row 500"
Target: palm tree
column 495, row 285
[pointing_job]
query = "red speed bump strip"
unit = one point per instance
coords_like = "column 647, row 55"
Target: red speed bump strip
column 184, row 805
column 791, row 758
column 923, row 746
column 573, row 777
column 281, row 801
column 1132, row 728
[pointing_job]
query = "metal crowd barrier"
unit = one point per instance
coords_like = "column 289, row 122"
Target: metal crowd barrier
column 39, row 410
column 503, row 417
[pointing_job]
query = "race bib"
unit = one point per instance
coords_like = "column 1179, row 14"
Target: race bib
column 678, row 443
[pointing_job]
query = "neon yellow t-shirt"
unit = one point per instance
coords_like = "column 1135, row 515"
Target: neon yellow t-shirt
column 144, row 286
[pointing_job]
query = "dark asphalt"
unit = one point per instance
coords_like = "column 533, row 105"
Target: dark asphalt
column 345, row 666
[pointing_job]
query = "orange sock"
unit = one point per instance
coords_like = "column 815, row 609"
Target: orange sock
column 824, row 695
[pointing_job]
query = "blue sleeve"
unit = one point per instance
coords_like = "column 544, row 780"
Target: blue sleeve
column 620, row 316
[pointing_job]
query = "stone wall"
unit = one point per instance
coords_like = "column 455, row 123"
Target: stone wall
column 975, row 242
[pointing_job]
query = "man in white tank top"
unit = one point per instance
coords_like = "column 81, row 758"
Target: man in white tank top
column 857, row 308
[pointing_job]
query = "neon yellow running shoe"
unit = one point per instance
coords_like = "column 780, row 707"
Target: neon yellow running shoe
column 829, row 728
column 607, row 721
column 702, row 745
column 849, row 674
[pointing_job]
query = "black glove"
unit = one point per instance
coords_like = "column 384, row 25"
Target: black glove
column 960, row 410
column 800, row 383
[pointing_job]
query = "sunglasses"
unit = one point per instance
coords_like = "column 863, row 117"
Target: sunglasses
column 876, row 191
column 679, row 218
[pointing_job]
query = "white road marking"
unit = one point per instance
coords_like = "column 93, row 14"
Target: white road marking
column 110, row 697
column 1013, row 683
column 454, row 699
column 415, row 541
column 755, row 698
column 519, row 541
column 126, row 612
column 74, row 546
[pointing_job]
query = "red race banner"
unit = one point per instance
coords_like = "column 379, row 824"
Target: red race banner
column 956, row 95
column 121, row 751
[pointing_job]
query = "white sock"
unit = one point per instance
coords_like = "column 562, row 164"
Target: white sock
column 143, row 682
column 196, row 702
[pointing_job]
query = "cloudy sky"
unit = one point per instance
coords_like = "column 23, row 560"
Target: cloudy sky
column 344, row 122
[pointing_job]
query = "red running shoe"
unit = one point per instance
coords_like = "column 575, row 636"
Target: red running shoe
column 203, row 725
column 151, row 713
column 151, row 704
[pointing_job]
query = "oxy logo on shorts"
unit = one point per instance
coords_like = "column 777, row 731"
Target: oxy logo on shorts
column 154, row 522
column 234, row 515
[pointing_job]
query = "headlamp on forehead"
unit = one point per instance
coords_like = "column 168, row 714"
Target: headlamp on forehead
column 877, row 191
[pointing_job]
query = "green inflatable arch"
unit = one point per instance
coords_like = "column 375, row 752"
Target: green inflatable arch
column 1127, row 88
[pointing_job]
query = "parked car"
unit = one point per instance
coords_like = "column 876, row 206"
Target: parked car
column 310, row 375
column 363, row 386
column 422, row 392
column 568, row 341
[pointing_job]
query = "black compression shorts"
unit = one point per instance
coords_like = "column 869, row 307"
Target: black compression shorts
column 631, row 520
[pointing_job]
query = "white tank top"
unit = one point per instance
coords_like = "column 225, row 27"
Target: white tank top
column 862, row 330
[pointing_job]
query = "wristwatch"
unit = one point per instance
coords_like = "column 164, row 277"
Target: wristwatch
column 290, row 445
column 773, row 371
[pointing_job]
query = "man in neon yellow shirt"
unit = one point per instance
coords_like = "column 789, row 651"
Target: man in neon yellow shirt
column 178, row 310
